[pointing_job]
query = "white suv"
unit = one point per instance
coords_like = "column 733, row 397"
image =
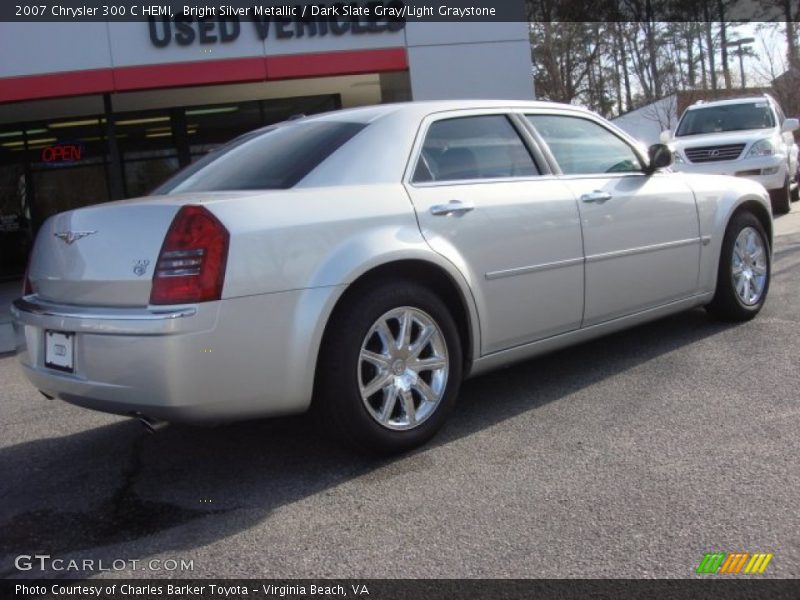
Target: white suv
column 745, row 137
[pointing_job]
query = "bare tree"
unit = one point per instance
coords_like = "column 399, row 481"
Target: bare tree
column 565, row 58
column 641, row 53
column 769, row 66
column 663, row 112
column 723, row 43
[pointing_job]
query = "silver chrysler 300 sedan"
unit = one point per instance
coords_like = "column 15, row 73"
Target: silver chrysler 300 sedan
column 372, row 258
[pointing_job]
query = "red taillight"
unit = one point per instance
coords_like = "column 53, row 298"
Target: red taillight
column 191, row 264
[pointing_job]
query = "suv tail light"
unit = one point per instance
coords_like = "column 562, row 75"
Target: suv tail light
column 191, row 264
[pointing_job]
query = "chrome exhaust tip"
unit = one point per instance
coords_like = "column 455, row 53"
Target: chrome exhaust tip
column 150, row 425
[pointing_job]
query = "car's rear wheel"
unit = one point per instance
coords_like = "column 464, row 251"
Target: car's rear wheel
column 390, row 368
column 744, row 270
column 781, row 199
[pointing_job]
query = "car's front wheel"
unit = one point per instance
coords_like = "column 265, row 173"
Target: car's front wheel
column 390, row 368
column 744, row 270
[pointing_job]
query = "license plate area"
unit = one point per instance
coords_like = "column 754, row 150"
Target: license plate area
column 59, row 350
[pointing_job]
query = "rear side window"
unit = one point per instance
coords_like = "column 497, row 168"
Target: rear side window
column 583, row 147
column 277, row 158
column 483, row 147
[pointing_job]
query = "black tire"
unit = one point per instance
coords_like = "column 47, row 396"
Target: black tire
column 338, row 404
column 726, row 304
column 781, row 199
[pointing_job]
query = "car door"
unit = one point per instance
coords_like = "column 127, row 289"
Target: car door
column 511, row 228
column 640, row 232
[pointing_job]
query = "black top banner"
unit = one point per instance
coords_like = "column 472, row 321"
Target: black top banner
column 366, row 11
column 352, row 11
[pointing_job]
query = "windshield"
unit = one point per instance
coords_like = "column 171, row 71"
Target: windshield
column 730, row 117
column 269, row 159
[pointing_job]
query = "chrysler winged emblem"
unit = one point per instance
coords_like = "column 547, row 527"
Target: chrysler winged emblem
column 70, row 237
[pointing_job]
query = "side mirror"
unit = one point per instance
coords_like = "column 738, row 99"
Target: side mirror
column 660, row 157
column 790, row 125
column 666, row 136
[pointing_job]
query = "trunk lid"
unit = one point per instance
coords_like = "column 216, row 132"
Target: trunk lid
column 104, row 255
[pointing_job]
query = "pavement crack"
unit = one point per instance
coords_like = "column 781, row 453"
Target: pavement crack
column 122, row 517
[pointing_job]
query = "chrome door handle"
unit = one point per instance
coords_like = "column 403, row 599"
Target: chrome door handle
column 454, row 207
column 596, row 196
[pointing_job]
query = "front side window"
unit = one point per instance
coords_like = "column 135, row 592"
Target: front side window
column 727, row 117
column 273, row 159
column 482, row 147
column 582, row 147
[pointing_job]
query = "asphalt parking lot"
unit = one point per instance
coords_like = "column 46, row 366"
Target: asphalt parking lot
column 630, row 456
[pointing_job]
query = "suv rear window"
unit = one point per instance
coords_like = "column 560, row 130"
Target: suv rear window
column 728, row 117
column 273, row 159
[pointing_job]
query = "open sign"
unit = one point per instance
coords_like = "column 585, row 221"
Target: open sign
column 62, row 153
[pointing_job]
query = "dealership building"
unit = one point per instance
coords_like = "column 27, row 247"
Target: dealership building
column 95, row 111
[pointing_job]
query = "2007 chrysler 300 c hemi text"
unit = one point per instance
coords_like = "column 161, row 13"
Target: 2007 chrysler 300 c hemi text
column 370, row 259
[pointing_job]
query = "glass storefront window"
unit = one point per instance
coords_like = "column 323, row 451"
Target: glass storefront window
column 15, row 230
column 59, row 190
column 208, row 127
column 142, row 176
column 147, row 144
column 68, row 165
column 64, row 163
column 211, row 126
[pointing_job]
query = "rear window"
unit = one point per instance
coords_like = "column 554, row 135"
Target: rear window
column 273, row 159
column 730, row 117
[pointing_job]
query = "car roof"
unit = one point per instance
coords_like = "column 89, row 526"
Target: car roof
column 387, row 144
column 367, row 114
column 728, row 101
column 410, row 112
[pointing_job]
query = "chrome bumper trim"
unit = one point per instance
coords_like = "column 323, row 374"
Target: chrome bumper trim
column 45, row 309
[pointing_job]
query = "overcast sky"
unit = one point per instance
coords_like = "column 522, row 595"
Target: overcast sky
column 770, row 45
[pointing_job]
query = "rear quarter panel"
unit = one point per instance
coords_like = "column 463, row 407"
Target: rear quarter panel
column 316, row 242
column 305, row 238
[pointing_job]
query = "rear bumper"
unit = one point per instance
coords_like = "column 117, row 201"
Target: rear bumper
column 769, row 171
column 216, row 361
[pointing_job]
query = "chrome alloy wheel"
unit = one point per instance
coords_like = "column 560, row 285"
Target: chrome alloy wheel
column 403, row 368
column 749, row 266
